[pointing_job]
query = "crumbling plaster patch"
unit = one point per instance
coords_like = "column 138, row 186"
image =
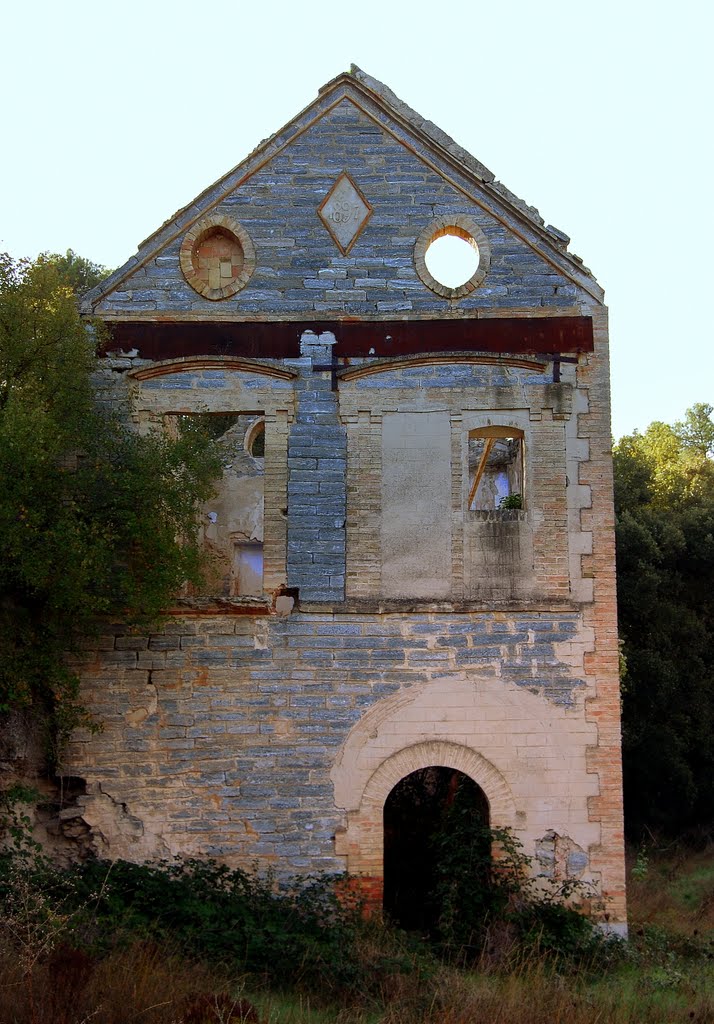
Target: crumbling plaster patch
column 138, row 715
column 559, row 858
column 116, row 831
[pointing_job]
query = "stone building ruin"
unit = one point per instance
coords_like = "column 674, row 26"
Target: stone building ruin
column 413, row 536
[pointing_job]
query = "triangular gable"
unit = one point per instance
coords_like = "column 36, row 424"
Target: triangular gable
column 419, row 140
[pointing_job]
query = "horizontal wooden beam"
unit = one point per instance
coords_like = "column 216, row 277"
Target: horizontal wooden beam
column 355, row 338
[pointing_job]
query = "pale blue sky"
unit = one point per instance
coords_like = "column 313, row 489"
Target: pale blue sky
column 600, row 115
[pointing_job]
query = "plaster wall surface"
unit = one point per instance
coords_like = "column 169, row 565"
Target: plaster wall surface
column 416, row 505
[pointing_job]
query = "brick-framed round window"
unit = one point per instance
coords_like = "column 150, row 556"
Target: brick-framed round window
column 466, row 229
column 217, row 257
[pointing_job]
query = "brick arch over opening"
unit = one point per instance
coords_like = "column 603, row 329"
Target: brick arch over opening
column 443, row 754
column 527, row 754
column 362, row 842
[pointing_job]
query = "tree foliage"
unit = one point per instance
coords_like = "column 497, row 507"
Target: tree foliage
column 664, row 498
column 76, row 272
column 95, row 520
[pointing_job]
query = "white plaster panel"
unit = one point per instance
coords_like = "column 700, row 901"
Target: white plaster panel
column 416, row 505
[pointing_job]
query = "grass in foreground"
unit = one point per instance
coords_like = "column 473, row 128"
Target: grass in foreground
column 204, row 946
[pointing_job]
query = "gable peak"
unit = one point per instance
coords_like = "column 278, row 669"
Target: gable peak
column 436, row 136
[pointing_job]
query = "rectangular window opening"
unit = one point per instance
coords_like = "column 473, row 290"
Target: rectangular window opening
column 495, row 469
column 231, row 522
column 247, row 573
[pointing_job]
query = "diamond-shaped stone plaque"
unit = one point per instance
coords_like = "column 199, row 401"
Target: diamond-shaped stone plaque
column 344, row 211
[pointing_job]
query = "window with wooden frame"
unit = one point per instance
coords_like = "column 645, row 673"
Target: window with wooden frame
column 495, row 469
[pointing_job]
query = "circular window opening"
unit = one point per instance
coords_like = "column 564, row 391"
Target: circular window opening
column 217, row 258
column 452, row 256
column 452, row 260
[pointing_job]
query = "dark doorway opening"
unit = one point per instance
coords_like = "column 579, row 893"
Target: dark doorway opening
column 424, row 811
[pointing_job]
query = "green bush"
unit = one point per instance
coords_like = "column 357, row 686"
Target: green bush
column 303, row 934
column 481, row 895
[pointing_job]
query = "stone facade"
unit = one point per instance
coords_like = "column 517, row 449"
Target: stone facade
column 376, row 607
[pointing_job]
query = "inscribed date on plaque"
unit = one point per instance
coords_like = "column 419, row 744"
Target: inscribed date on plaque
column 344, row 211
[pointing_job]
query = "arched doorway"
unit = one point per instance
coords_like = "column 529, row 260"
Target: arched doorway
column 424, row 814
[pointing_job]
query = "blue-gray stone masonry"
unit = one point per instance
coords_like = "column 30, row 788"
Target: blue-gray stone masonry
column 317, row 492
column 300, row 270
column 250, row 712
